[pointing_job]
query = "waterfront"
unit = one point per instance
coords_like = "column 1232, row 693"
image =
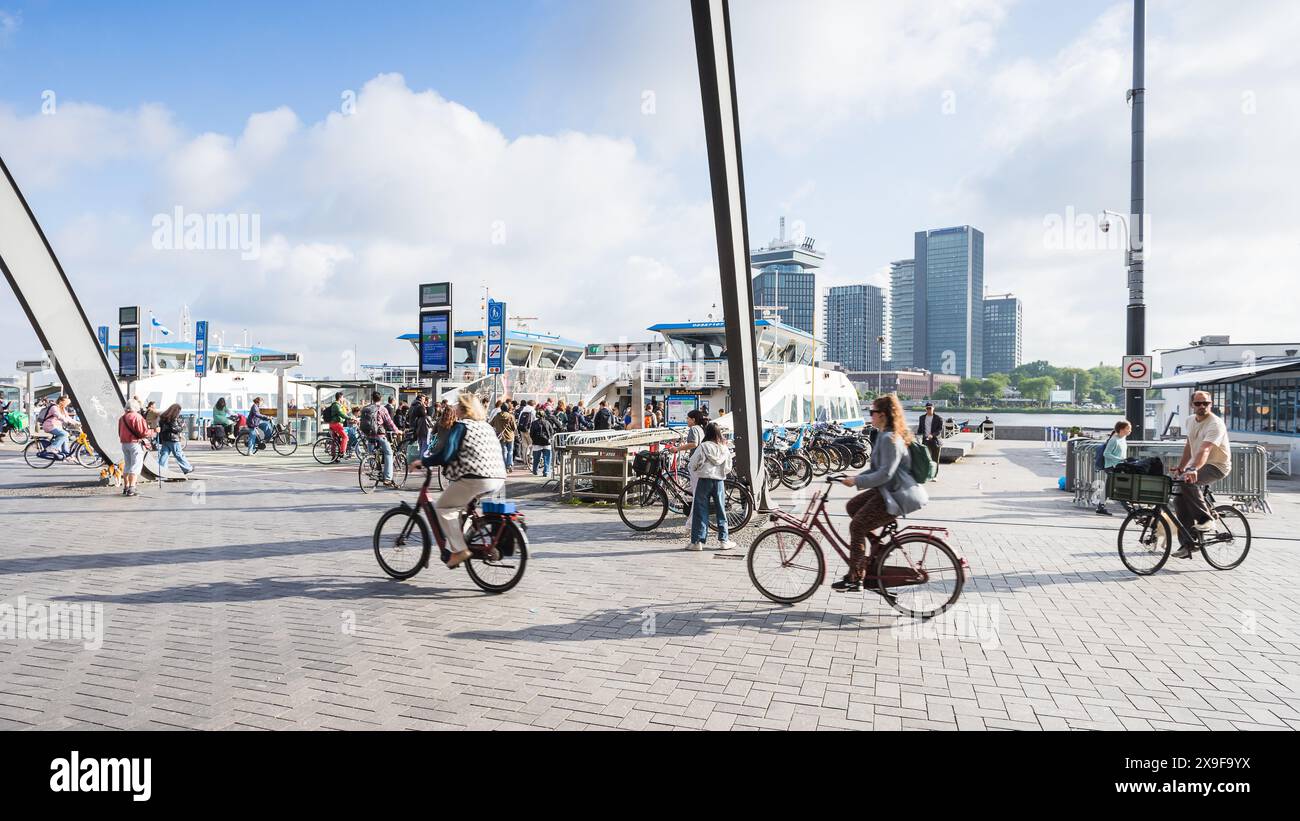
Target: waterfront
column 1030, row 420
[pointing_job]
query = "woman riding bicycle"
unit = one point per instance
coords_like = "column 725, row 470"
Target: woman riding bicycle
column 470, row 456
column 890, row 489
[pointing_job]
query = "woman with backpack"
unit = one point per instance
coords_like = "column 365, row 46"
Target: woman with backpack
column 889, row 488
column 1114, row 452
column 505, row 426
column 171, row 431
column 710, row 463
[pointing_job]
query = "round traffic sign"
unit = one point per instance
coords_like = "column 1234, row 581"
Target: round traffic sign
column 1137, row 370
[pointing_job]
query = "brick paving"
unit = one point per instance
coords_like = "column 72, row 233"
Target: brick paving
column 253, row 601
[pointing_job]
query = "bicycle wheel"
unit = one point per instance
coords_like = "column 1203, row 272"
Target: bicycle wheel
column 400, row 550
column 1228, row 545
column 241, row 444
column 32, row 454
column 325, row 451
column 1144, row 541
column 919, row 576
column 839, row 458
column 401, row 469
column 370, row 472
column 821, row 461
column 786, row 564
column 88, row 458
column 285, row 443
column 642, row 505
column 772, row 469
column 498, row 553
column 859, row 459
column 738, row 504
column 796, row 472
column 19, row 437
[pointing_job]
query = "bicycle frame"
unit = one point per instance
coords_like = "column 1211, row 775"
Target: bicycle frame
column 424, row 504
column 816, row 518
column 1165, row 510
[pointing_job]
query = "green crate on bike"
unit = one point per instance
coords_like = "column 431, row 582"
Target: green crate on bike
column 1139, row 488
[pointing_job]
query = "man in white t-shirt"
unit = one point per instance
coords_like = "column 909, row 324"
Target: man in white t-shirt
column 1207, row 458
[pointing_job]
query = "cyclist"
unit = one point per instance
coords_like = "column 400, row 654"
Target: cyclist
column 221, row 416
column 471, row 459
column 335, row 415
column 352, row 427
column 1206, row 459
column 258, row 422
column 57, row 419
column 375, row 421
column 888, row 488
column 5, row 408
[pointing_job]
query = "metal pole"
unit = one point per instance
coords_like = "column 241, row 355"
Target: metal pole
column 1135, row 399
column 711, row 20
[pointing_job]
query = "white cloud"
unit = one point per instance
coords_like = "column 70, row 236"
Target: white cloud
column 9, row 25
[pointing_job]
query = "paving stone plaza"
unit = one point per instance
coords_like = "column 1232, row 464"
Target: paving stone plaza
column 249, row 598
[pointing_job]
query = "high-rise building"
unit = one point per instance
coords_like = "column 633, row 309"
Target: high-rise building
column 786, row 280
column 948, row 310
column 902, row 299
column 1003, row 332
column 855, row 326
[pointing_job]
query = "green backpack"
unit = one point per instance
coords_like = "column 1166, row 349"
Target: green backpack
column 923, row 467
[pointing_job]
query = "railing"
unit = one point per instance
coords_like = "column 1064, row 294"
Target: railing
column 594, row 464
column 1246, row 485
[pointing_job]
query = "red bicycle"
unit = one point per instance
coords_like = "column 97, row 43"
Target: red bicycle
column 915, row 570
column 498, row 542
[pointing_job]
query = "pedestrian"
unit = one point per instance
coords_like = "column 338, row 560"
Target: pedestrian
column 132, row 433
column 930, row 429
column 170, row 435
column 524, row 424
column 1206, row 459
column 1114, row 452
column 505, row 426
column 604, row 419
column 698, row 419
column 648, row 417
column 421, row 423
column 888, row 490
column 151, row 413
column 709, row 466
column 403, row 411
column 539, row 433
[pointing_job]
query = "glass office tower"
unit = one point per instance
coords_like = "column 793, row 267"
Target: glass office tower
column 855, row 325
column 1003, row 333
column 948, row 314
column 786, row 281
column 902, row 301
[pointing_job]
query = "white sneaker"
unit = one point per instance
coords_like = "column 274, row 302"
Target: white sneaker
column 727, row 545
column 1205, row 527
column 697, row 546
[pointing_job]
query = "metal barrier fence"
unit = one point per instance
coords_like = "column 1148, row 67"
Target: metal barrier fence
column 1054, row 442
column 1246, row 485
column 595, row 463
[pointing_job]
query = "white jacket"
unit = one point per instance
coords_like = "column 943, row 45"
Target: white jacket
column 709, row 461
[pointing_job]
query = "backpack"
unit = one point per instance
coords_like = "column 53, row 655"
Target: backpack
column 646, row 463
column 923, row 467
column 1099, row 461
column 370, row 420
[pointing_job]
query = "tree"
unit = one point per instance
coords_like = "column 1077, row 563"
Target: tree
column 991, row 388
column 947, row 392
column 1100, row 396
column 1105, row 377
column 1038, row 387
column 970, row 387
column 1033, row 370
column 1076, row 379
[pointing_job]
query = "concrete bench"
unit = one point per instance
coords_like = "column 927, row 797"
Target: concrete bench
column 958, row 445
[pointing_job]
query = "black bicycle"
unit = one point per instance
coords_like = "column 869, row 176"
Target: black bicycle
column 645, row 502
column 498, row 542
column 370, row 470
column 1146, row 535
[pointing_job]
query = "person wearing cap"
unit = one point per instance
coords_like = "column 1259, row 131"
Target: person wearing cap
column 931, row 431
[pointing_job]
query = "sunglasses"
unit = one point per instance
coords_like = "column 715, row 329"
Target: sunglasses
column 1200, row 404
column 874, row 412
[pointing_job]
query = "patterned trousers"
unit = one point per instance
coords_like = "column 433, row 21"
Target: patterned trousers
column 869, row 512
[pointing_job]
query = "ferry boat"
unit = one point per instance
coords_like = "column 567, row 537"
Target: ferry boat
column 793, row 389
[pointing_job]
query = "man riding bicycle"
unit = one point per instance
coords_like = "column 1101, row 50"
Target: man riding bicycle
column 471, row 458
column 375, row 420
column 1206, row 459
column 258, row 423
column 335, row 415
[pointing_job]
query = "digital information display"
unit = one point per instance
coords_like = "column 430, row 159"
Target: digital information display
column 128, row 353
column 435, row 295
column 677, row 406
column 128, row 316
column 435, row 343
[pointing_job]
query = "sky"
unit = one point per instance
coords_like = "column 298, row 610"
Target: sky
column 553, row 151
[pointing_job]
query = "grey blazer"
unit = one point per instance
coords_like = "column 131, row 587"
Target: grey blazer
column 890, row 473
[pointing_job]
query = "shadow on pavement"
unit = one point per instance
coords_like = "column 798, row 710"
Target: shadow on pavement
column 321, row 588
column 180, row 555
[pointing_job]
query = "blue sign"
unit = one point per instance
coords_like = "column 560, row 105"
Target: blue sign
column 496, row 338
column 201, row 348
column 103, row 337
column 435, row 343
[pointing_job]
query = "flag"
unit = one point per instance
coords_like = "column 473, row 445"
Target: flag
column 162, row 329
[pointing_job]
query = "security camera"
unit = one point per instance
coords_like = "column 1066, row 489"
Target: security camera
column 1104, row 225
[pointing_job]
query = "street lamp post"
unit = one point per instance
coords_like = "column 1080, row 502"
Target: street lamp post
column 1135, row 399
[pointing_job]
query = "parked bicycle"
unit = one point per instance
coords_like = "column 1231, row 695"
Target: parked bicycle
column 646, row 501
column 915, row 570
column 282, row 439
column 14, row 426
column 783, row 462
column 1145, row 537
column 497, row 540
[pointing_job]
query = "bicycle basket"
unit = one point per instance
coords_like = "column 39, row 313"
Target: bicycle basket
column 646, row 463
column 1139, row 488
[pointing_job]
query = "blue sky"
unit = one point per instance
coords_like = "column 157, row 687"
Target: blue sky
column 862, row 122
